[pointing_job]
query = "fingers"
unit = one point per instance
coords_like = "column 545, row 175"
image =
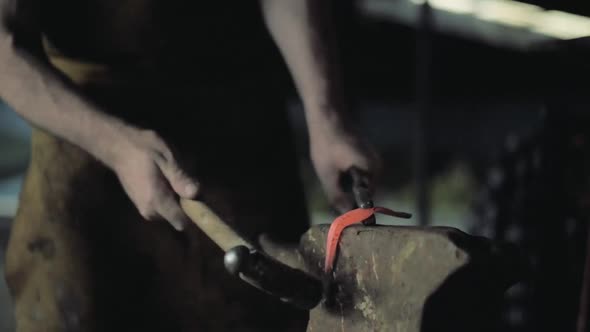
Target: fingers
column 341, row 199
column 179, row 180
column 169, row 209
column 153, row 180
column 160, row 204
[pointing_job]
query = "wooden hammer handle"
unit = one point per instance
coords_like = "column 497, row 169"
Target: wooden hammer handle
column 252, row 266
column 212, row 225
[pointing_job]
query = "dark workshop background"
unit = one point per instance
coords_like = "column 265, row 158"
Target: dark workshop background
column 479, row 109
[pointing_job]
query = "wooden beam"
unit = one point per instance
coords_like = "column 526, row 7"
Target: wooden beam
column 502, row 23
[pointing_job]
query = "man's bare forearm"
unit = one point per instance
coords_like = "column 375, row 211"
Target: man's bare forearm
column 36, row 92
column 302, row 31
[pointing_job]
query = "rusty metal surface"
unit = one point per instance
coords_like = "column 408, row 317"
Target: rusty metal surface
column 410, row 279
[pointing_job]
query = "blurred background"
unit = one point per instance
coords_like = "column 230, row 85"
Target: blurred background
column 480, row 111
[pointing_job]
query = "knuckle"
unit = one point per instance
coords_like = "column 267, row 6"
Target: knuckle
column 147, row 213
column 179, row 173
column 151, row 135
column 150, row 194
column 157, row 144
column 164, row 205
column 154, row 201
column 151, row 203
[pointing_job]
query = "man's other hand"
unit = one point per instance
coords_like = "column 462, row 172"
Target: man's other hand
column 334, row 150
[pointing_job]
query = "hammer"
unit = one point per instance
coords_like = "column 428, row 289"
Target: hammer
column 259, row 269
column 243, row 259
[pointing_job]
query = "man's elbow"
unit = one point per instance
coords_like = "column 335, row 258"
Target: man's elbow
column 8, row 26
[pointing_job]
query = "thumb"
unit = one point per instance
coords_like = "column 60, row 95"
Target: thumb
column 184, row 185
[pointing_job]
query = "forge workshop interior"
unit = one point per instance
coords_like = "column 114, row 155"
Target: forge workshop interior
column 295, row 165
